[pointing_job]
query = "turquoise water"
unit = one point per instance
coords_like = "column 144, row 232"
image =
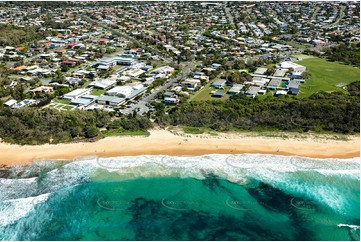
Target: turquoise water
column 214, row 197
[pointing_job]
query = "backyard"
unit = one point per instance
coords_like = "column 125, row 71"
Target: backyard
column 205, row 94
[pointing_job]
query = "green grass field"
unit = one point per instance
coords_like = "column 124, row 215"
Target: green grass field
column 301, row 46
column 326, row 76
column 205, row 94
column 97, row 92
column 86, row 84
column 63, row 101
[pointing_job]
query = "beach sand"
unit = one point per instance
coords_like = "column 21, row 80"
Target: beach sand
column 163, row 142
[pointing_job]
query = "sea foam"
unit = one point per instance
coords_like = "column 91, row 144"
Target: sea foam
column 19, row 196
column 12, row 210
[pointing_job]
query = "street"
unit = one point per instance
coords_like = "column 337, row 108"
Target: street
column 142, row 106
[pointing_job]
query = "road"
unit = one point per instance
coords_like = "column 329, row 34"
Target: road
column 315, row 13
column 130, row 38
column 142, row 106
column 340, row 16
column 229, row 16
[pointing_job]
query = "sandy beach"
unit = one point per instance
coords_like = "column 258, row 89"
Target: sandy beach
column 163, row 142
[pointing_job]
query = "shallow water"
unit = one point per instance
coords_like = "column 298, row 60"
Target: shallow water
column 213, row 197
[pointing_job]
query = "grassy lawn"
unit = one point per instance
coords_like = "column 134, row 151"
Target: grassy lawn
column 60, row 104
column 205, row 94
column 122, row 132
column 268, row 94
column 115, row 68
column 304, row 57
column 97, row 92
column 63, row 101
column 301, row 46
column 86, row 84
column 158, row 63
column 68, row 107
column 326, row 76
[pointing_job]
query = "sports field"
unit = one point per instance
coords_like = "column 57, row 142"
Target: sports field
column 326, row 76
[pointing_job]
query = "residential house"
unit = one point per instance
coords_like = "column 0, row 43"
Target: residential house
column 280, row 73
column 236, row 89
column 261, row 71
column 274, row 83
column 252, row 91
column 218, row 94
column 280, row 93
column 219, row 84
column 171, row 101
column 170, row 94
column 293, row 84
column 293, row 91
column 10, row 103
column 43, row 89
column 191, row 84
column 163, row 70
column 215, row 66
column 24, row 103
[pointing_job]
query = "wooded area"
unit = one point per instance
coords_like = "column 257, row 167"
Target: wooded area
column 347, row 54
column 322, row 112
column 14, row 36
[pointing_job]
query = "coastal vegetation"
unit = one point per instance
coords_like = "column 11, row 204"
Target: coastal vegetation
column 123, row 132
column 38, row 126
column 323, row 112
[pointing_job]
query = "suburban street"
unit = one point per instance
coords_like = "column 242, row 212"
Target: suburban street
column 142, row 106
column 130, row 38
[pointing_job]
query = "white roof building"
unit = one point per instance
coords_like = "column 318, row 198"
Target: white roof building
column 288, row 64
column 134, row 72
column 163, row 70
column 138, row 86
column 121, row 91
column 10, row 103
column 103, row 84
column 124, row 78
column 77, row 93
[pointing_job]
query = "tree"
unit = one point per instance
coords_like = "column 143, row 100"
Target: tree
column 91, row 132
column 184, row 89
column 65, row 68
column 306, row 75
column 270, row 70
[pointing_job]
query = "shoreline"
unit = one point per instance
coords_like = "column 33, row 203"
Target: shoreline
column 163, row 142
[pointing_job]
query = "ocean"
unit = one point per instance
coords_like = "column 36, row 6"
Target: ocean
column 211, row 197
